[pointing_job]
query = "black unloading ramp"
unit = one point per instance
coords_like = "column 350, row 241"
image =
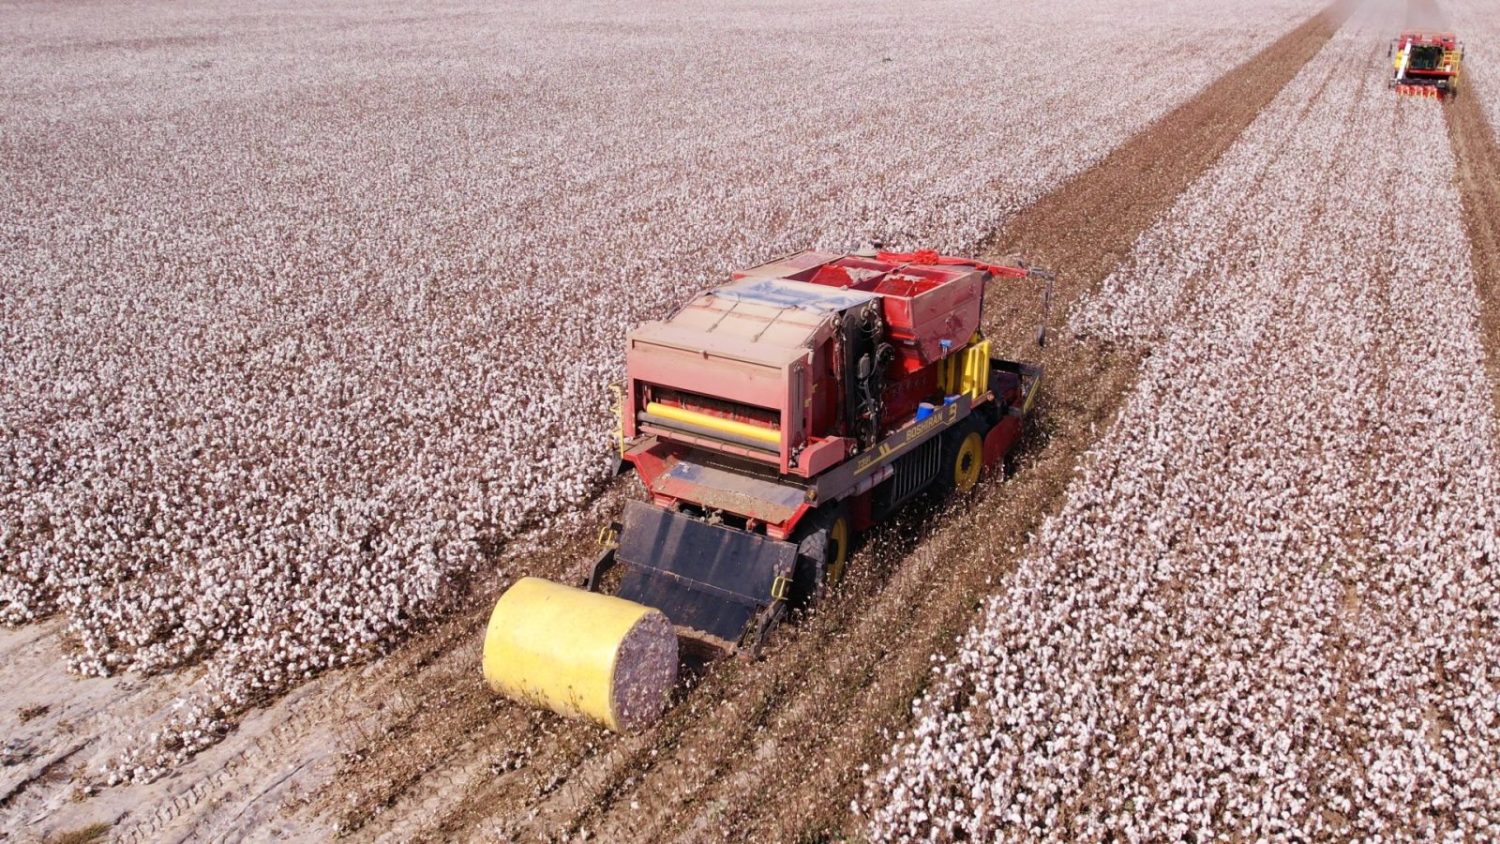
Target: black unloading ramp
column 706, row 577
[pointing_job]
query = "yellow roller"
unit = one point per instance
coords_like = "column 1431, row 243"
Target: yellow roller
column 581, row 654
column 714, row 423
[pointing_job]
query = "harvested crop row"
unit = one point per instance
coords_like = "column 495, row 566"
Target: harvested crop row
column 1269, row 606
column 302, row 316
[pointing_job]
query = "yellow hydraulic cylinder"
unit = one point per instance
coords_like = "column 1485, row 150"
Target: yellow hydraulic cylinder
column 581, row 654
column 715, row 423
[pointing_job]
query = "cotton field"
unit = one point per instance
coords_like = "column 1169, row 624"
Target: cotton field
column 309, row 315
column 298, row 321
column 1268, row 607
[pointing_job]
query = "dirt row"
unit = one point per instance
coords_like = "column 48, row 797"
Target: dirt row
column 1478, row 155
column 778, row 749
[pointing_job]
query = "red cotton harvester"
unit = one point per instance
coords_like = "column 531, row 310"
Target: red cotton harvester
column 771, row 420
column 1426, row 64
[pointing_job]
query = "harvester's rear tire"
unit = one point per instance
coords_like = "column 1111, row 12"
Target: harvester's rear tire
column 824, row 545
column 963, row 457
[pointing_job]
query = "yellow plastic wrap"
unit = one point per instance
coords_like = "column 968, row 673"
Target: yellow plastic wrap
column 581, row 654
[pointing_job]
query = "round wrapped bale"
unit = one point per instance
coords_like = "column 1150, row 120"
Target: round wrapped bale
column 581, row 654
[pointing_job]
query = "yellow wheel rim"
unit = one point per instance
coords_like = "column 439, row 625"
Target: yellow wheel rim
column 969, row 461
column 838, row 535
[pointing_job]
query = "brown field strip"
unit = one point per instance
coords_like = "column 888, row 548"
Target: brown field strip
column 775, row 750
column 1478, row 155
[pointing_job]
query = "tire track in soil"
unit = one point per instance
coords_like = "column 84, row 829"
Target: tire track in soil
column 774, row 750
column 1478, row 154
column 403, row 762
column 254, row 774
column 279, row 757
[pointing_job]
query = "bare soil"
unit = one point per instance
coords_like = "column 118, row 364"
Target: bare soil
column 258, row 784
column 1478, row 154
column 414, row 747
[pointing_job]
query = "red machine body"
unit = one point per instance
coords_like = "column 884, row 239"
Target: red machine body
column 759, row 385
column 774, row 417
column 1426, row 63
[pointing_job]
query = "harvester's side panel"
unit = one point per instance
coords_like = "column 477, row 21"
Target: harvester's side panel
column 838, row 482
